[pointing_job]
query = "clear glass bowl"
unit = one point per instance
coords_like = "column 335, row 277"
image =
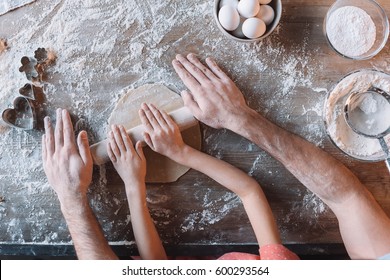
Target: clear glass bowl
column 334, row 108
column 379, row 18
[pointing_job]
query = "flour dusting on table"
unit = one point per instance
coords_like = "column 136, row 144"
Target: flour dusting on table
column 9, row 5
column 106, row 46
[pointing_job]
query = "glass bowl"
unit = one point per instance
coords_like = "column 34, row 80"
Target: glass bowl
column 333, row 114
column 275, row 4
column 379, row 18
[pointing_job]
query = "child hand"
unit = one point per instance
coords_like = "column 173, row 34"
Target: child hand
column 129, row 162
column 162, row 133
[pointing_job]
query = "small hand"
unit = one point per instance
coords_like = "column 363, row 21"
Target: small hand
column 129, row 162
column 68, row 166
column 162, row 133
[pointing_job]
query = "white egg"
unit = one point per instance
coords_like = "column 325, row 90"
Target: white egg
column 232, row 3
column 248, row 8
column 229, row 18
column 238, row 31
column 264, row 2
column 253, row 28
column 266, row 14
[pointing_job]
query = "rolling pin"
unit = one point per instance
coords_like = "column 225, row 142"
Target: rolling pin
column 183, row 117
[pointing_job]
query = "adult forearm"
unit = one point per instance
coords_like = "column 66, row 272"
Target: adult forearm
column 313, row 167
column 87, row 235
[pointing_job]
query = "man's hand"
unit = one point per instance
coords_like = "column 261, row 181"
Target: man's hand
column 213, row 98
column 68, row 166
column 161, row 133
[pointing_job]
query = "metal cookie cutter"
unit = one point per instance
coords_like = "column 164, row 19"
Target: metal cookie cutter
column 22, row 115
column 28, row 67
column 34, row 67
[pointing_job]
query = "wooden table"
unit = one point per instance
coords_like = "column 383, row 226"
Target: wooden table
column 285, row 77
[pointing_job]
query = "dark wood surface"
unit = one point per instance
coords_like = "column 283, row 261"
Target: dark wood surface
column 195, row 215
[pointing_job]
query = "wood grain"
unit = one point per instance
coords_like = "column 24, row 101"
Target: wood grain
column 193, row 211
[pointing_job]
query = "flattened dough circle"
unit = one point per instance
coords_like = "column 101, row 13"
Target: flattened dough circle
column 160, row 169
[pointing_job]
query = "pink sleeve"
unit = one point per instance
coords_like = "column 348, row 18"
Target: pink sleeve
column 239, row 256
column 267, row 252
column 276, row 252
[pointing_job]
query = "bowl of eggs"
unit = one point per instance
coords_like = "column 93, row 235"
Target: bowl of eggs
column 247, row 20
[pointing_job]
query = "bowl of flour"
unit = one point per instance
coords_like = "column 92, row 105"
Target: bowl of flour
column 339, row 132
column 356, row 29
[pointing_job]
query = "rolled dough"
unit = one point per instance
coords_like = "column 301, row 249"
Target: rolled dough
column 160, row 169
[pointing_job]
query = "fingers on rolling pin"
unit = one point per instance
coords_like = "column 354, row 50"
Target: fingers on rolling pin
column 157, row 114
column 118, row 138
column 150, row 116
column 169, row 121
column 190, row 103
column 148, row 140
column 145, row 120
column 126, row 138
column 114, row 144
column 110, row 152
column 140, row 151
column 182, row 117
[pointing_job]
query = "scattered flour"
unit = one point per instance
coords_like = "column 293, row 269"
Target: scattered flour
column 9, row 5
column 222, row 206
column 351, row 31
column 135, row 44
column 342, row 135
column 314, row 204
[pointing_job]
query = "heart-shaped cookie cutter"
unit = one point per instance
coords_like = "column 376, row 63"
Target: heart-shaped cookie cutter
column 28, row 90
column 22, row 116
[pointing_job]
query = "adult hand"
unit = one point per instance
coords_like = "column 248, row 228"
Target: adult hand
column 68, row 166
column 213, row 97
column 162, row 134
column 129, row 162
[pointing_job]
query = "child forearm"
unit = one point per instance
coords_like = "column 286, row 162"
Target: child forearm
column 261, row 218
column 225, row 174
column 249, row 191
column 145, row 233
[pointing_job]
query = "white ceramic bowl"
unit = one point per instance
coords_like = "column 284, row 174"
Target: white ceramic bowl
column 275, row 4
column 379, row 18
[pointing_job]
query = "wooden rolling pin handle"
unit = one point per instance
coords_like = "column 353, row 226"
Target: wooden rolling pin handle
column 183, row 117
